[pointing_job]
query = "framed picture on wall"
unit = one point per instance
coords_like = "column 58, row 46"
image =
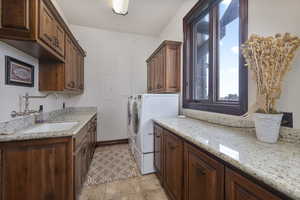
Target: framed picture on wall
column 18, row 73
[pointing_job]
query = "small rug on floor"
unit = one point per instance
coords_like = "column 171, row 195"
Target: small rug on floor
column 111, row 163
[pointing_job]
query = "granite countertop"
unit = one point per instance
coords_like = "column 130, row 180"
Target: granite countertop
column 277, row 165
column 82, row 117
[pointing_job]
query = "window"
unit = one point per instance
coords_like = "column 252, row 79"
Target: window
column 215, row 77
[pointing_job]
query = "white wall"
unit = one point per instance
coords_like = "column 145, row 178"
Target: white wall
column 115, row 68
column 266, row 17
column 59, row 9
column 9, row 99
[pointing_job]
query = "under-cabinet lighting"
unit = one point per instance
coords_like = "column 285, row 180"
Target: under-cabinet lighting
column 120, row 7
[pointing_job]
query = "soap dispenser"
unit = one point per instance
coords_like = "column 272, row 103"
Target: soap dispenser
column 40, row 116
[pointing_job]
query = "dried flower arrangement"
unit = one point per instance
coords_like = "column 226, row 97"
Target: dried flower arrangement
column 270, row 59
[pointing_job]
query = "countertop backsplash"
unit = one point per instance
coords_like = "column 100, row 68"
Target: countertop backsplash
column 9, row 127
column 290, row 135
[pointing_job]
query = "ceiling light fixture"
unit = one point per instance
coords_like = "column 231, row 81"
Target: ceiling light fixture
column 120, row 7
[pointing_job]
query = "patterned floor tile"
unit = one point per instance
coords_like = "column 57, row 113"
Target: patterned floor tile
column 111, row 163
column 114, row 166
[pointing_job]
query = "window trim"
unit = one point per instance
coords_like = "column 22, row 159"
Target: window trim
column 213, row 104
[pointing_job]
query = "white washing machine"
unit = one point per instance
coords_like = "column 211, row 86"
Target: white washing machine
column 130, row 133
column 145, row 107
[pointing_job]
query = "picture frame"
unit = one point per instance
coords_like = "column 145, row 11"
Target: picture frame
column 18, row 73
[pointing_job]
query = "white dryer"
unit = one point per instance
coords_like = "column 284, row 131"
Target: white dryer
column 145, row 108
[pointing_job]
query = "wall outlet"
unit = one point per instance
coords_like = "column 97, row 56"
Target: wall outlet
column 287, row 120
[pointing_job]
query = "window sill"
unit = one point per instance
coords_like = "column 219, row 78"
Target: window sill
column 221, row 119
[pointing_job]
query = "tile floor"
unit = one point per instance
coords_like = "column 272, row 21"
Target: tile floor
column 113, row 175
column 138, row 188
column 111, row 163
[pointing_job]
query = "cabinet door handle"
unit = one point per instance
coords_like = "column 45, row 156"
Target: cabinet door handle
column 49, row 38
column 172, row 147
column 199, row 170
column 157, row 135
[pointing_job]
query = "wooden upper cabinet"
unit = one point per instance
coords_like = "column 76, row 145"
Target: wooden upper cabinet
column 69, row 64
column 17, row 19
column 36, row 28
column 81, row 72
column 59, row 39
column 203, row 177
column 173, row 167
column 65, row 76
column 164, row 68
column 47, row 25
column 240, row 188
column 50, row 31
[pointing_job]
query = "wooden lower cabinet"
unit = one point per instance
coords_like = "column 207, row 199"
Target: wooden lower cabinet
column 173, row 167
column 158, row 148
column 188, row 172
column 203, row 176
column 240, row 188
column 35, row 170
column 46, row 169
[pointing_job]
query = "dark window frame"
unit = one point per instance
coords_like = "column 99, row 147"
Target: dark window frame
column 213, row 104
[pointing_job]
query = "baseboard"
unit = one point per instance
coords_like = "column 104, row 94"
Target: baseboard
column 111, row 142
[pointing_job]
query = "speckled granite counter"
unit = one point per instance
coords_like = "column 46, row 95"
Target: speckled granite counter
column 277, row 165
column 82, row 116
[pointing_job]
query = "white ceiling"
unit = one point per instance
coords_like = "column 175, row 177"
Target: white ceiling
column 147, row 17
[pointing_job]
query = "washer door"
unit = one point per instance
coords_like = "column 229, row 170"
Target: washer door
column 135, row 117
column 129, row 109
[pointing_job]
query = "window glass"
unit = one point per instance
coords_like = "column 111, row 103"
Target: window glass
column 201, row 59
column 228, row 43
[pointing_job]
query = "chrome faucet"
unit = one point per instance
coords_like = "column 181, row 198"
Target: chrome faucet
column 27, row 111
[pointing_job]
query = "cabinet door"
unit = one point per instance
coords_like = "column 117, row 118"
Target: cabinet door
column 81, row 72
column 173, row 175
column 69, row 65
column 204, row 176
column 47, row 25
column 81, row 166
column 35, row 170
column 149, row 76
column 240, row 188
column 158, row 151
column 17, row 19
column 59, row 39
column 151, row 72
column 173, row 56
column 78, row 165
column 160, row 70
column 75, row 68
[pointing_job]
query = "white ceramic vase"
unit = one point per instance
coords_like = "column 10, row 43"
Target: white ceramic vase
column 267, row 127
